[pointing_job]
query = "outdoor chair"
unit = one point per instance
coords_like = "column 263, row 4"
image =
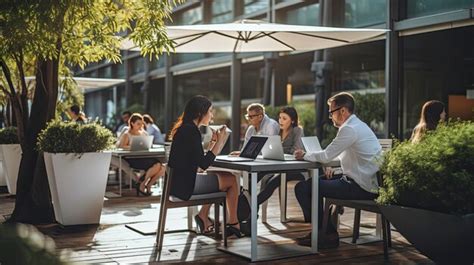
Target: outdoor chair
column 127, row 170
column 365, row 205
column 168, row 202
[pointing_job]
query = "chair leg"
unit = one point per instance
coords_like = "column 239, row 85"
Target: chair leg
column 161, row 224
column 216, row 220
column 389, row 234
column 384, row 238
column 224, row 223
column 326, row 215
column 356, row 227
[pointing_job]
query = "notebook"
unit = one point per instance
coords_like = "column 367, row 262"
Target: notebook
column 250, row 151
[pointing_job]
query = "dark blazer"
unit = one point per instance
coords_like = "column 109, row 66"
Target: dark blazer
column 186, row 156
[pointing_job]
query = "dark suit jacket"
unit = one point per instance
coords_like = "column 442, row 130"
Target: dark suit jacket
column 186, row 156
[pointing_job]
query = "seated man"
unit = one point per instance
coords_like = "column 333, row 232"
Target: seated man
column 358, row 149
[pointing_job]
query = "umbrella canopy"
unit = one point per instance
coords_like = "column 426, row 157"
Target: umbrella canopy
column 258, row 36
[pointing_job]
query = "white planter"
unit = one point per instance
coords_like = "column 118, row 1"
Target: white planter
column 11, row 157
column 3, row 181
column 77, row 184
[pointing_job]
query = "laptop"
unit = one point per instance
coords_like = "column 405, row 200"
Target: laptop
column 273, row 149
column 311, row 144
column 250, row 151
column 141, row 143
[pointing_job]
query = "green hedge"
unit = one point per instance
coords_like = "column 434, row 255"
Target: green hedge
column 436, row 174
column 71, row 137
column 9, row 135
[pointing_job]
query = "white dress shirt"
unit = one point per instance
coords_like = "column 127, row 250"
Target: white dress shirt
column 268, row 126
column 358, row 149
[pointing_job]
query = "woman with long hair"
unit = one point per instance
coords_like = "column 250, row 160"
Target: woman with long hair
column 187, row 156
column 432, row 113
column 154, row 169
column 290, row 134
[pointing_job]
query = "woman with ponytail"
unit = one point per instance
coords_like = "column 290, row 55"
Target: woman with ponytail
column 187, row 156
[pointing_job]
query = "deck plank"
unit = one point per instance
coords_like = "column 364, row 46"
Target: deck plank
column 111, row 242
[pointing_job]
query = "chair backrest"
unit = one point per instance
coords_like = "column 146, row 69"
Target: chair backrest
column 386, row 145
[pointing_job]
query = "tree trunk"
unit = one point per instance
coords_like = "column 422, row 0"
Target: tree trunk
column 33, row 199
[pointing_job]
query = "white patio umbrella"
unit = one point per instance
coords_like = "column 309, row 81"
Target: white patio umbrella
column 258, row 36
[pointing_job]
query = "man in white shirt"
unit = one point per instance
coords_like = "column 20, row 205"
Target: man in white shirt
column 358, row 149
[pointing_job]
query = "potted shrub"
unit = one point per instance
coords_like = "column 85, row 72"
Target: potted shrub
column 77, row 169
column 10, row 154
column 429, row 192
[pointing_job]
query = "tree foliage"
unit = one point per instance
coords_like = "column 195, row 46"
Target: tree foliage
column 44, row 38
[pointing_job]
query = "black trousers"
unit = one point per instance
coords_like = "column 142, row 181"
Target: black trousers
column 270, row 182
column 338, row 187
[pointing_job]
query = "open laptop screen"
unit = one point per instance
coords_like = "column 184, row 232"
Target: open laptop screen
column 253, row 147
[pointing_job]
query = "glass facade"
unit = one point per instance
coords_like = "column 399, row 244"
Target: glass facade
column 418, row 8
column 221, row 11
column 138, row 65
column 213, row 83
column 306, row 15
column 443, row 72
column 251, row 6
column 252, row 80
column 362, row 13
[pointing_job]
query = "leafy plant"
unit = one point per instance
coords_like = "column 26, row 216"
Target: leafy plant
column 70, row 137
column 24, row 244
column 9, row 135
column 436, row 174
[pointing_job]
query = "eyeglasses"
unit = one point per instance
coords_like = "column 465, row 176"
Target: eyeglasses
column 250, row 117
column 332, row 111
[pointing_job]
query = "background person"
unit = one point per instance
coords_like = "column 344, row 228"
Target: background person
column 122, row 126
column 76, row 114
column 290, row 134
column 357, row 148
column 432, row 113
column 152, row 129
column 153, row 167
column 187, row 155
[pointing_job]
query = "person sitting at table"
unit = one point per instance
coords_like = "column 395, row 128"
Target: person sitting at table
column 290, row 134
column 152, row 129
column 187, row 156
column 432, row 113
column 154, row 169
column 357, row 148
column 260, row 123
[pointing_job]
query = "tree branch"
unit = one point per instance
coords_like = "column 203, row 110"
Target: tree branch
column 8, row 76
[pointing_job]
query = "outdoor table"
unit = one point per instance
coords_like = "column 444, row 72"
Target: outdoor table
column 252, row 168
column 154, row 152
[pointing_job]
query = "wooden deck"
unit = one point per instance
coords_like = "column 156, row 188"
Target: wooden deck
column 111, row 242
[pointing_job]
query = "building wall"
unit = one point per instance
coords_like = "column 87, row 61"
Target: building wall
column 434, row 60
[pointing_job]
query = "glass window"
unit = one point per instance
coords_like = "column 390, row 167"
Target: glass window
column 360, row 13
column 105, row 72
column 418, row 8
column 201, row 83
column 252, row 80
column 221, row 11
column 441, row 72
column 306, row 15
column 119, row 70
column 360, row 69
column 251, row 6
column 157, row 101
column 300, row 76
column 158, row 63
column 190, row 16
column 138, row 65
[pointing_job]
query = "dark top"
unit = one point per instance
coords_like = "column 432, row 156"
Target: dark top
column 293, row 141
column 186, row 156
